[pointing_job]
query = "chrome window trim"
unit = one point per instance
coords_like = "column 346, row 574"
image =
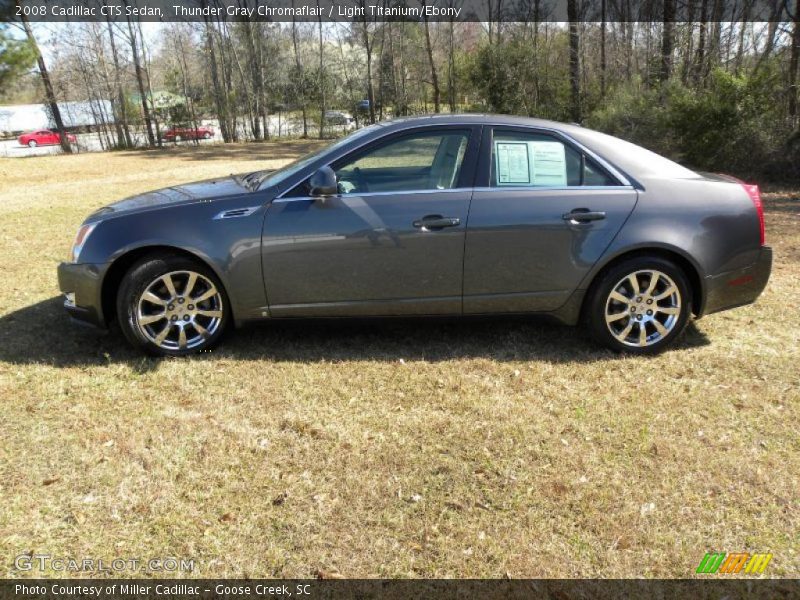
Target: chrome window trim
column 281, row 200
column 564, row 188
column 553, row 188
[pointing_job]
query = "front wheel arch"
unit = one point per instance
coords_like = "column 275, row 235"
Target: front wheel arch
column 122, row 264
column 689, row 269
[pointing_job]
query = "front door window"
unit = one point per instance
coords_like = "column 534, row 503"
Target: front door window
column 417, row 162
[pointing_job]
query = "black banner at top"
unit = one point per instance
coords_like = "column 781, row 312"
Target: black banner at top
column 401, row 10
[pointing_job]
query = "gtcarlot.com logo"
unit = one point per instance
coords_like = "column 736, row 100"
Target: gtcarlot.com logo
column 46, row 562
column 731, row 564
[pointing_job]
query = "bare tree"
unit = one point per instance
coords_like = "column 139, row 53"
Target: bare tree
column 48, row 86
column 322, row 79
column 432, row 64
column 367, row 40
column 574, row 61
column 137, row 65
column 667, row 40
column 794, row 64
column 122, row 114
column 300, row 76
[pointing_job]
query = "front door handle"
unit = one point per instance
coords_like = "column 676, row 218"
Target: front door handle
column 583, row 215
column 433, row 222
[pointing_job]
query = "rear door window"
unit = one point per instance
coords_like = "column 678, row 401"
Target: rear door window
column 539, row 160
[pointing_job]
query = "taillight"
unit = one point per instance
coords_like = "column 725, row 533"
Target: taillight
column 755, row 195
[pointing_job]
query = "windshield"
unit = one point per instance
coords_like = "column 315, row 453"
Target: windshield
column 265, row 179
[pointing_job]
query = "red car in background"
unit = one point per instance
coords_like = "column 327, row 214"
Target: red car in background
column 43, row 137
column 176, row 134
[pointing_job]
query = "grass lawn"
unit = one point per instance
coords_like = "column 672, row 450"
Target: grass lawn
column 507, row 447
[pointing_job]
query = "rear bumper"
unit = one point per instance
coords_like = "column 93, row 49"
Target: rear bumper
column 81, row 285
column 739, row 287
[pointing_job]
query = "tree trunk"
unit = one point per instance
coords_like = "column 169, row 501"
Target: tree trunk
column 48, row 86
column 574, row 61
column 451, row 67
column 180, row 53
column 148, row 87
column 123, row 106
column 742, row 31
column 301, row 85
column 322, row 82
column 252, row 113
column 794, row 63
column 667, row 40
column 688, row 44
column 219, row 101
column 370, row 87
column 772, row 30
column 434, row 75
column 137, row 65
column 602, row 48
column 106, row 77
column 700, row 60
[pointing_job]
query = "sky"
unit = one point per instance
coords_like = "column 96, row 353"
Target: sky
column 47, row 33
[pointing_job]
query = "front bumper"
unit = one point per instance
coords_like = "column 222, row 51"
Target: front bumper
column 739, row 287
column 81, row 284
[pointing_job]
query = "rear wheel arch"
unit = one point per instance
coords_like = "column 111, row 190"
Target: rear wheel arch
column 120, row 267
column 691, row 271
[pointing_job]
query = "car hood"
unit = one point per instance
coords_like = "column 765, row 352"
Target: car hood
column 210, row 189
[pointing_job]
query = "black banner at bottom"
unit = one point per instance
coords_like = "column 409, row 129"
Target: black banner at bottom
column 432, row 589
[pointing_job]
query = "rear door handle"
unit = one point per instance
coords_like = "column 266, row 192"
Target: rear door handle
column 583, row 215
column 436, row 222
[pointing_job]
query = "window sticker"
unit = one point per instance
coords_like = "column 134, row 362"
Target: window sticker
column 513, row 163
column 540, row 164
column 549, row 163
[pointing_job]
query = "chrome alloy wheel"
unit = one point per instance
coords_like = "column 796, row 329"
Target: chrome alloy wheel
column 643, row 308
column 179, row 310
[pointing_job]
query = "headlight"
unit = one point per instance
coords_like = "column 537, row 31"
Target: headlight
column 80, row 240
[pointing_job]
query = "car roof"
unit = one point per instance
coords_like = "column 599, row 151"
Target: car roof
column 478, row 119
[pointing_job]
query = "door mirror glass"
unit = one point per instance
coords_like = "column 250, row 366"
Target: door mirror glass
column 323, row 183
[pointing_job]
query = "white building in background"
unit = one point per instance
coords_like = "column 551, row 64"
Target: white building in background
column 18, row 118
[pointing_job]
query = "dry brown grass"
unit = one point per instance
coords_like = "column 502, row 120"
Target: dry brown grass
column 455, row 449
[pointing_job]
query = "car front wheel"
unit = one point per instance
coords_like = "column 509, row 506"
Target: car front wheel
column 171, row 306
column 32, row 144
column 640, row 306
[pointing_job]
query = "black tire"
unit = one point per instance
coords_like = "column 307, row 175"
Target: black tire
column 616, row 279
column 142, row 276
column 32, row 144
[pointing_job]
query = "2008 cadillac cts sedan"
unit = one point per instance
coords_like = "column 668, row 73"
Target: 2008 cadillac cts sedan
column 444, row 215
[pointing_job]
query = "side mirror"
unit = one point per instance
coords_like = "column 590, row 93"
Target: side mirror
column 323, row 183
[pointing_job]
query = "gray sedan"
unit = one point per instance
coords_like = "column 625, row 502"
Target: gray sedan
column 444, row 215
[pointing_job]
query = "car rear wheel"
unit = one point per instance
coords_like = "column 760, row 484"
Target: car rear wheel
column 32, row 144
column 171, row 306
column 206, row 136
column 640, row 306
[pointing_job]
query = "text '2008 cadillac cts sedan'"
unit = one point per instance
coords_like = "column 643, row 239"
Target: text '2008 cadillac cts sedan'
column 444, row 215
